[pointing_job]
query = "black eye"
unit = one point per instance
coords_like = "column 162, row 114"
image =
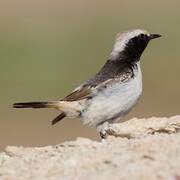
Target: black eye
column 143, row 36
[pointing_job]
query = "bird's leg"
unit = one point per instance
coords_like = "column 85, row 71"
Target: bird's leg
column 106, row 129
column 102, row 128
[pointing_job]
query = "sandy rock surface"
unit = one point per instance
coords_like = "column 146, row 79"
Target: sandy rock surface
column 144, row 149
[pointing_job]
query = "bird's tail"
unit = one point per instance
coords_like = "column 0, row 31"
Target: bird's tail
column 50, row 104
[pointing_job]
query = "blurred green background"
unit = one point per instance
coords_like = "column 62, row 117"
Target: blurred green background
column 47, row 48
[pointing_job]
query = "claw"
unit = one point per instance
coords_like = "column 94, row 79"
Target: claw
column 103, row 135
column 106, row 129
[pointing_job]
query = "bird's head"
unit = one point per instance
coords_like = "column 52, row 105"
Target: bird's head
column 130, row 45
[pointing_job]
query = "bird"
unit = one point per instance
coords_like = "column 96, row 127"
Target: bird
column 110, row 94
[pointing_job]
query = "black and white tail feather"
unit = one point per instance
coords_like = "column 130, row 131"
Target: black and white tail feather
column 37, row 105
column 50, row 104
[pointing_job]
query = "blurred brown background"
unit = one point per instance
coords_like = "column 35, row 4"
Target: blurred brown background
column 47, row 48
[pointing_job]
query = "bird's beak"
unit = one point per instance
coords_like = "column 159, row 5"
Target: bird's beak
column 154, row 36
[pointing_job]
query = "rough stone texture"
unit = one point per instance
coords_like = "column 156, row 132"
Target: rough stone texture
column 146, row 149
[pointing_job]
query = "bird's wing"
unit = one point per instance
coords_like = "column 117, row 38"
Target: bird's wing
column 91, row 87
column 83, row 92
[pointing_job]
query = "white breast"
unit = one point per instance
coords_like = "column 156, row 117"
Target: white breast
column 114, row 101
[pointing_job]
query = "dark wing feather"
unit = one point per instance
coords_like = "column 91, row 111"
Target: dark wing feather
column 83, row 92
column 112, row 71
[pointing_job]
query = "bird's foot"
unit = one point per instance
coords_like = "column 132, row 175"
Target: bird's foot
column 106, row 129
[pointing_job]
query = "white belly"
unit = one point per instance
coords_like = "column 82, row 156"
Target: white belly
column 114, row 102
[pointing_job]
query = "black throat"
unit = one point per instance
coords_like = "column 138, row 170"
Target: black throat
column 133, row 49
